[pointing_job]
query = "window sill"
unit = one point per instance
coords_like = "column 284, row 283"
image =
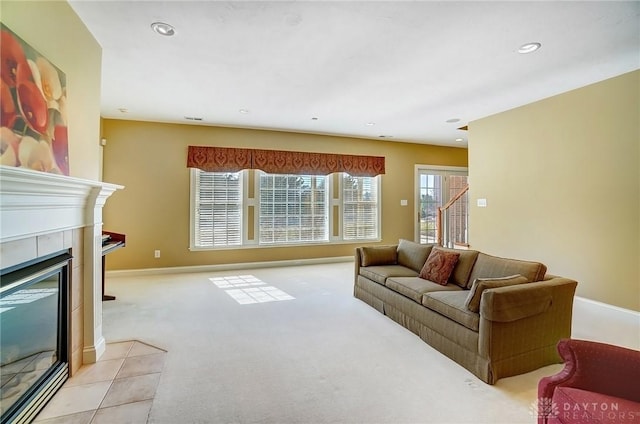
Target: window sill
column 275, row 246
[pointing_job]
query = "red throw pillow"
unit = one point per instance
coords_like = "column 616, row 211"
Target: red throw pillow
column 439, row 266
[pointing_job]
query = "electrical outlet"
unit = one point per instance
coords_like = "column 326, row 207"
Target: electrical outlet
column 156, row 254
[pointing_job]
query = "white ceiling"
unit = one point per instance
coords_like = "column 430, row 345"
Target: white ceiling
column 406, row 66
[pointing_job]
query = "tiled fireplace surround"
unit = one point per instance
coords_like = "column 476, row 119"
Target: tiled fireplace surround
column 43, row 213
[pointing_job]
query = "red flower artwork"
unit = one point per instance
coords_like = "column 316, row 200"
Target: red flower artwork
column 61, row 148
column 32, row 113
column 8, row 108
column 33, row 106
column 12, row 58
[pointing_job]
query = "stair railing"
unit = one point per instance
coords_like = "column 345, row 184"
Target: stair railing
column 445, row 227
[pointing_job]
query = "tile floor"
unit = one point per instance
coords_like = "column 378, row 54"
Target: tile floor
column 119, row 388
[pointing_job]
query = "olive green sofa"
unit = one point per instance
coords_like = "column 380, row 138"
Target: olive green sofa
column 516, row 327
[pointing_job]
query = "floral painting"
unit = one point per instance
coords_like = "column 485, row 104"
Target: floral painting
column 33, row 95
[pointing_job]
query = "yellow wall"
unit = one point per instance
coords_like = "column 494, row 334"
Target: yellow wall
column 562, row 180
column 54, row 29
column 153, row 210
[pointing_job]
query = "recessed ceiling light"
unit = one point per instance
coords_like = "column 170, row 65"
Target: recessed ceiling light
column 385, row 136
column 315, row 118
column 193, row 118
column 452, row 120
column 529, row 48
column 163, row 28
column 244, row 111
column 370, row 124
column 459, row 139
column 123, row 109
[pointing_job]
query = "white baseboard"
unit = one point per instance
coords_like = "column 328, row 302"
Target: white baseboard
column 597, row 321
column 226, row 267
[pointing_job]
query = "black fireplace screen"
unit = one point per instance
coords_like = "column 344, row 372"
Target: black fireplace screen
column 34, row 335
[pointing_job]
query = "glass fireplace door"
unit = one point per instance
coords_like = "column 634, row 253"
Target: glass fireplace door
column 33, row 333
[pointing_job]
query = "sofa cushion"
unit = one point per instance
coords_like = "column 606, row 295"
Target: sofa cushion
column 439, row 266
column 379, row 255
column 466, row 261
column 415, row 287
column 581, row 406
column 472, row 302
column 380, row 273
column 451, row 304
column 413, row 255
column 492, row 266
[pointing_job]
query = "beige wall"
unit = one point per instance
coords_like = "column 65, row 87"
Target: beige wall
column 149, row 159
column 54, row 29
column 562, row 181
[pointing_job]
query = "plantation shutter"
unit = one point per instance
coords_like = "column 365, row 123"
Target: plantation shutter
column 218, row 214
column 360, row 208
column 293, row 209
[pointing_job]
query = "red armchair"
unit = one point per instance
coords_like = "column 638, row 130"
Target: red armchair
column 600, row 383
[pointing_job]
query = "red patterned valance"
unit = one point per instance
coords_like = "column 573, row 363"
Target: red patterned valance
column 283, row 162
column 226, row 159
column 362, row 166
column 218, row 159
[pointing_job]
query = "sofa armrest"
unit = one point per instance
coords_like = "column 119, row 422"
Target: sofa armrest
column 374, row 255
column 357, row 263
column 507, row 333
column 597, row 367
column 511, row 303
column 515, row 302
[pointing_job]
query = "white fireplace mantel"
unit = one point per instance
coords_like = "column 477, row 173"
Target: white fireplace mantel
column 36, row 203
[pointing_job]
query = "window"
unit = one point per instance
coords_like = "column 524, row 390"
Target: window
column 217, row 209
column 293, row 209
column 435, row 187
column 253, row 208
column 359, row 208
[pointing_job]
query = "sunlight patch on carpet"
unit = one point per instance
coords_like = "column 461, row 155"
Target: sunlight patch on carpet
column 234, row 281
column 247, row 289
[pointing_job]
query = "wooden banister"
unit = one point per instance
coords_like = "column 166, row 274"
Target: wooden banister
column 441, row 209
column 456, row 197
column 439, row 226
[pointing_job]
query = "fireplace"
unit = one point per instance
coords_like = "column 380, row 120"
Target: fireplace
column 34, row 347
column 43, row 218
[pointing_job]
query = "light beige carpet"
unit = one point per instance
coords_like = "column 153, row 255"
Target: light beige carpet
column 292, row 345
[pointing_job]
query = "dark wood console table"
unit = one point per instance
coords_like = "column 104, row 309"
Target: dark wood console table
column 110, row 242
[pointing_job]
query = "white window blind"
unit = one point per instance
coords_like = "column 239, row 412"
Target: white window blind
column 360, row 219
column 218, row 209
column 293, row 209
